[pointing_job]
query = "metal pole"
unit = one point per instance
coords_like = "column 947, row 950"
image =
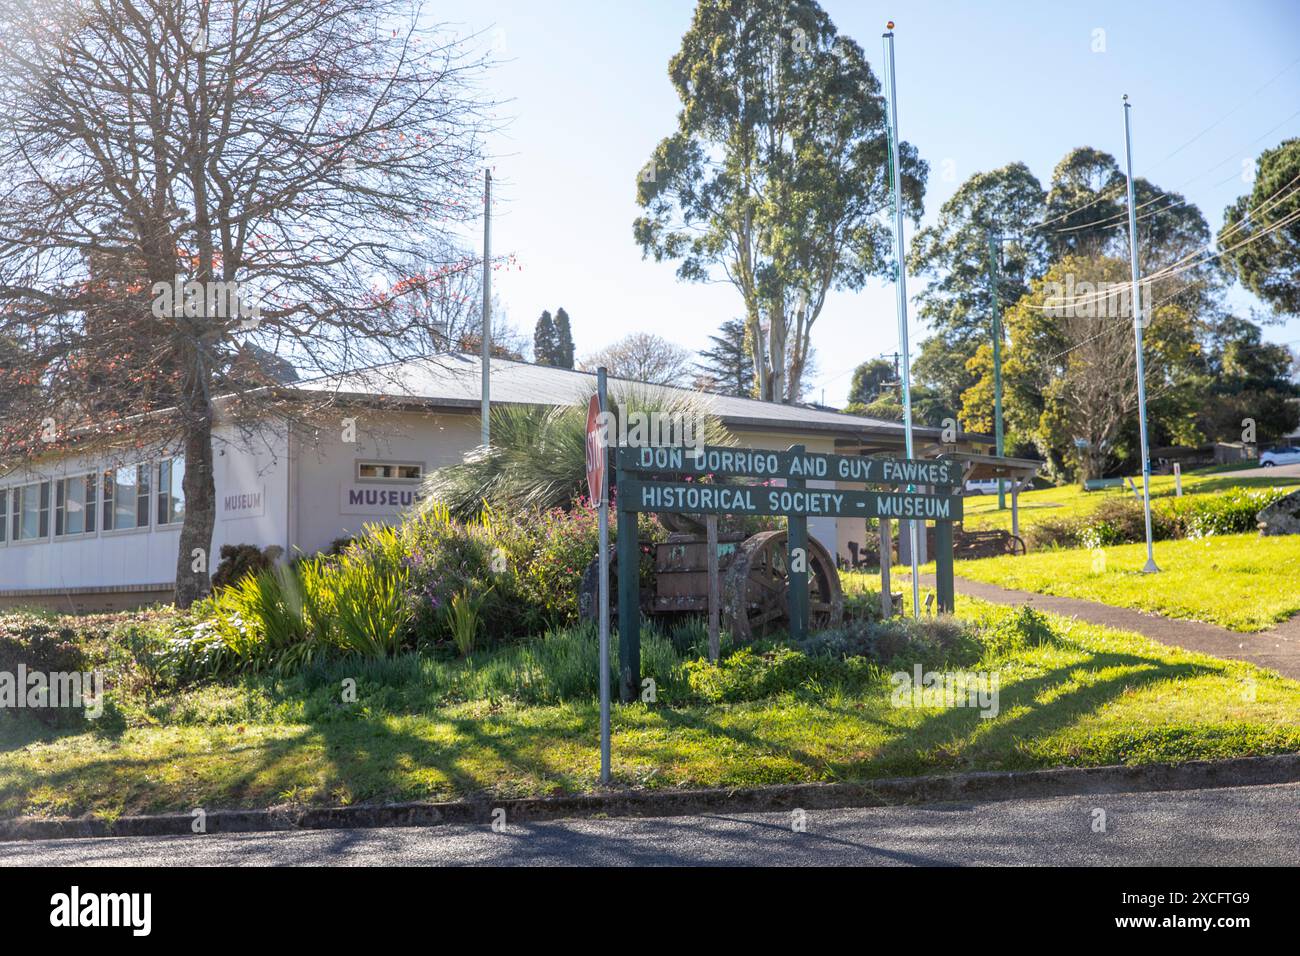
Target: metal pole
column 1150, row 567
column 901, row 287
column 604, row 593
column 997, row 362
column 486, row 404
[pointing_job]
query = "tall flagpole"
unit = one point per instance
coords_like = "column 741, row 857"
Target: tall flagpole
column 1150, row 567
column 901, row 288
column 486, row 404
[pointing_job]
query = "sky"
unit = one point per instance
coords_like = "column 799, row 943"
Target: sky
column 584, row 98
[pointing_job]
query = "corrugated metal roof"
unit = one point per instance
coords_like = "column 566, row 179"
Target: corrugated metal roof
column 455, row 379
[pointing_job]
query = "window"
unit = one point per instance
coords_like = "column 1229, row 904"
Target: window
column 4, row 515
column 75, row 505
column 171, row 491
column 389, row 471
column 126, row 498
column 31, row 512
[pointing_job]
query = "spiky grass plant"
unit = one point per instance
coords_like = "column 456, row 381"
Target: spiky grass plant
column 538, row 455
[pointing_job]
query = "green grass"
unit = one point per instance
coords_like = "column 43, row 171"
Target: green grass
column 1241, row 581
column 1088, row 696
column 1071, row 501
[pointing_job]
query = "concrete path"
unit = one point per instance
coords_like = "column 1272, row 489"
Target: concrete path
column 1277, row 649
column 1242, row 826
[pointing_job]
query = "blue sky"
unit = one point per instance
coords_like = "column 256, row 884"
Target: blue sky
column 587, row 97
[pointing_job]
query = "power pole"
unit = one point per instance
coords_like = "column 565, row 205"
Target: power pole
column 1150, row 567
column 486, row 404
column 901, row 287
column 993, row 242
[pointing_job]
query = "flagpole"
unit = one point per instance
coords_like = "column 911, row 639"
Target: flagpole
column 486, row 402
column 1151, row 566
column 901, row 295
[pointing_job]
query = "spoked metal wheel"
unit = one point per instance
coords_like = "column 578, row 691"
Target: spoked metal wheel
column 756, row 589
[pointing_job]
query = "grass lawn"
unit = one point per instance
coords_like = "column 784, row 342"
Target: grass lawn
column 981, row 511
column 1086, row 696
column 1241, row 581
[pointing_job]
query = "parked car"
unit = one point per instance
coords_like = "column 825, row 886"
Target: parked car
column 984, row 486
column 1286, row 455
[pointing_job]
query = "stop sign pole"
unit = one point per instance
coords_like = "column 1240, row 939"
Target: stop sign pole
column 598, row 487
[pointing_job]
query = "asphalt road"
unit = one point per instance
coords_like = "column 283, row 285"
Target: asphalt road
column 1239, row 826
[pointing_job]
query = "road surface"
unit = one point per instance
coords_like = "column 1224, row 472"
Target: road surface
column 1238, row 826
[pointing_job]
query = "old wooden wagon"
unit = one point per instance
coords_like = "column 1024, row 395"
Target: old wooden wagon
column 753, row 575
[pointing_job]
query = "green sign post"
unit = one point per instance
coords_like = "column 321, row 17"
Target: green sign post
column 662, row 479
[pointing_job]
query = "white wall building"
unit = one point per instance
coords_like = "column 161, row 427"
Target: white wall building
column 82, row 532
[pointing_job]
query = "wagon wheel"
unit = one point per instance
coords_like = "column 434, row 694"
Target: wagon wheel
column 755, row 591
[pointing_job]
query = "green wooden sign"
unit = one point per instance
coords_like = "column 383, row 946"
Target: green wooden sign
column 809, row 466
column 646, row 479
column 697, row 498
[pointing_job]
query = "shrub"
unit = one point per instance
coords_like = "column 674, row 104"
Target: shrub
column 748, row 675
column 1121, row 520
column 1231, row 512
column 284, row 618
column 40, row 645
column 463, row 613
column 1016, row 631
column 1055, row 533
column 238, row 561
column 934, row 642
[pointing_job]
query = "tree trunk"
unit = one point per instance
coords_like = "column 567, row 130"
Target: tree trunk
column 194, row 559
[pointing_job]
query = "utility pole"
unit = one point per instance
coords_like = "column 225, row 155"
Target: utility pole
column 901, row 288
column 994, row 242
column 486, row 404
column 1150, row 567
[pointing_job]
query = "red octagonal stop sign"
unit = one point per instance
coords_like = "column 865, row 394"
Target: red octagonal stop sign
column 595, row 451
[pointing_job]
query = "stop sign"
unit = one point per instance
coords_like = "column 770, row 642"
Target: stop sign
column 595, row 451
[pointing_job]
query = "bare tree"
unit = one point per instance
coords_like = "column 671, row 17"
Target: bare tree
column 447, row 303
column 296, row 153
column 644, row 357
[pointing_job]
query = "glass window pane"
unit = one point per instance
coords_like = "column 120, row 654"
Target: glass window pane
column 4, row 515
column 90, row 487
column 74, row 505
column 31, row 515
column 125, row 484
column 176, row 492
column 142, row 499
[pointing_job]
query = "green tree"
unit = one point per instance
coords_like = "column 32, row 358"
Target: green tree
column 728, row 366
column 777, row 175
column 1070, row 384
column 563, row 340
column 1260, row 238
column 545, row 344
column 954, row 254
column 1250, row 382
column 872, row 379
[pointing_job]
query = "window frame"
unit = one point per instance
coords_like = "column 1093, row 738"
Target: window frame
column 16, row 499
column 379, row 479
column 108, row 499
column 58, row 505
column 160, row 495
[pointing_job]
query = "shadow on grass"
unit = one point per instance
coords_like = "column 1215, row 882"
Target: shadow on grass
column 554, row 750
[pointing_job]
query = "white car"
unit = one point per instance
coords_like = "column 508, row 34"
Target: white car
column 1286, row 455
column 984, row 486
